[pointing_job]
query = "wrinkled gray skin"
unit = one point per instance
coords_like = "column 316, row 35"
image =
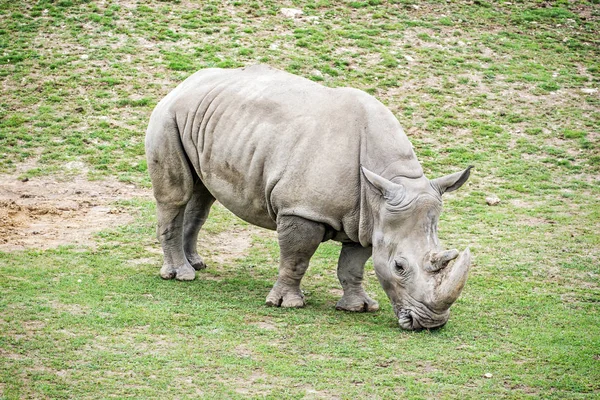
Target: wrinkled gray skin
column 315, row 164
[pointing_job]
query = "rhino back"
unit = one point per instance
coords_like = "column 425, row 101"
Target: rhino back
column 267, row 143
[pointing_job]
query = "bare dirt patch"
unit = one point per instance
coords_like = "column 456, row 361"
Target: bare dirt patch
column 226, row 247
column 45, row 213
column 267, row 324
column 256, row 384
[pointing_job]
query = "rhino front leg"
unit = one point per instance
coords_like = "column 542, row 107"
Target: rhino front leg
column 196, row 213
column 351, row 266
column 298, row 241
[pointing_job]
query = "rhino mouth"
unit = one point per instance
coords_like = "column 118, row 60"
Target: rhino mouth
column 406, row 320
column 410, row 321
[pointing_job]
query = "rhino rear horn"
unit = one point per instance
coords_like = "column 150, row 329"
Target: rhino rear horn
column 438, row 261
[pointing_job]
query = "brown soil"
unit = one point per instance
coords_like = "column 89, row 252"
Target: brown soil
column 48, row 212
column 45, row 213
column 225, row 248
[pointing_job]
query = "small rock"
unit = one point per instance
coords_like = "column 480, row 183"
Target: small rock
column 492, row 200
column 291, row 12
column 408, row 58
column 461, row 43
column 274, row 46
column 416, row 7
column 79, row 280
column 589, row 90
column 84, row 56
column 75, row 165
column 487, row 375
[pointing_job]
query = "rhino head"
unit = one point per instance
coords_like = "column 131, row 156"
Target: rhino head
column 413, row 269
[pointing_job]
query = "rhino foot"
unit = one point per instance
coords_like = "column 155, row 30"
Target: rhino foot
column 285, row 297
column 184, row 273
column 196, row 261
column 357, row 303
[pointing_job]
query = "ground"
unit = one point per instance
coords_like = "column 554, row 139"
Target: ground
column 50, row 212
column 55, row 211
column 510, row 87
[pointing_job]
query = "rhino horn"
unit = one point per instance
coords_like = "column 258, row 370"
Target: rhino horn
column 455, row 278
column 438, row 261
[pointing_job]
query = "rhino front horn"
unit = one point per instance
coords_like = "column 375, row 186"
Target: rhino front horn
column 455, row 278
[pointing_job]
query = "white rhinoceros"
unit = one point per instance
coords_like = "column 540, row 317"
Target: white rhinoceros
column 313, row 163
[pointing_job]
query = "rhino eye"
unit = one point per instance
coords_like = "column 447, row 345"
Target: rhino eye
column 401, row 266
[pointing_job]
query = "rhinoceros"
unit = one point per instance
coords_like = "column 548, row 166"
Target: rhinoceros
column 315, row 164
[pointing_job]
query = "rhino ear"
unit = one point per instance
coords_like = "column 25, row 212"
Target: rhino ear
column 391, row 191
column 451, row 182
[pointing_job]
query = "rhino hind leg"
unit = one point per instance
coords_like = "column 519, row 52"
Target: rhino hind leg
column 173, row 185
column 169, row 232
column 298, row 241
column 196, row 213
column 351, row 265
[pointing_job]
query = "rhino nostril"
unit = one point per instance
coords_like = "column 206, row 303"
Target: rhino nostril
column 405, row 319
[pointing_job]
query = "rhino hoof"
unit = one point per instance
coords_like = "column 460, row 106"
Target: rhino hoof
column 293, row 302
column 167, row 272
column 186, row 273
column 286, row 303
column 198, row 266
column 357, row 304
column 196, row 261
column 287, row 300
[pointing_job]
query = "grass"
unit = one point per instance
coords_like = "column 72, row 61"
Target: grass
column 494, row 84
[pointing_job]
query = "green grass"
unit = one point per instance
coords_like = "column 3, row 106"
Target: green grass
column 493, row 84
